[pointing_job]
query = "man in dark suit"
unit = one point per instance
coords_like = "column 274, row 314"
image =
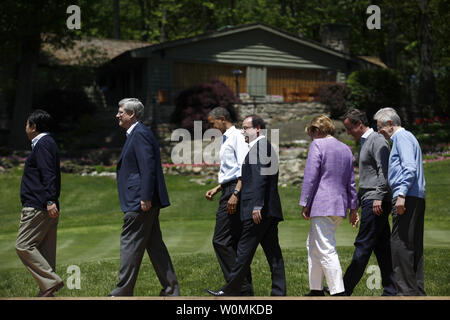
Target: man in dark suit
column 260, row 212
column 142, row 192
column 39, row 194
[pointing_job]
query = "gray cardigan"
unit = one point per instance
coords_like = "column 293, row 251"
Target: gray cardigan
column 373, row 169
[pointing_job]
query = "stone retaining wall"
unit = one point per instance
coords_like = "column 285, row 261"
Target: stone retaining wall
column 289, row 118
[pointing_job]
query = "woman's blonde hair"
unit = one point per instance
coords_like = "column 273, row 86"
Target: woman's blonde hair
column 321, row 123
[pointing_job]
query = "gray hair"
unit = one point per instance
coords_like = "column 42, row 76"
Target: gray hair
column 218, row 112
column 386, row 114
column 133, row 105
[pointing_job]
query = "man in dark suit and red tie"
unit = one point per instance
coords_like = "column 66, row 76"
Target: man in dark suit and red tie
column 260, row 212
column 142, row 192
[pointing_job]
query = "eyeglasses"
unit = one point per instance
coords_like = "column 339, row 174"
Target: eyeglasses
column 388, row 123
column 246, row 128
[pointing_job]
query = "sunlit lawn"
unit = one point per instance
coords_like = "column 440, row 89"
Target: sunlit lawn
column 90, row 225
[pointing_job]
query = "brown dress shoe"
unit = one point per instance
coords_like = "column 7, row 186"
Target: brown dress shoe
column 51, row 292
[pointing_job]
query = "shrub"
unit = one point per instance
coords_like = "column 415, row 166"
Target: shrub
column 433, row 134
column 442, row 88
column 335, row 97
column 194, row 103
column 373, row 89
column 73, row 114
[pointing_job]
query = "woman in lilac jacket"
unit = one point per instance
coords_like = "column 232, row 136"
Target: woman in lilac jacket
column 328, row 192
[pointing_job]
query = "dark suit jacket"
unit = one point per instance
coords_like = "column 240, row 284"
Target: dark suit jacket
column 41, row 179
column 260, row 182
column 139, row 171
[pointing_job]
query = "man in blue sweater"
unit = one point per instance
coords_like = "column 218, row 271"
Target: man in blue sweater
column 407, row 181
column 39, row 193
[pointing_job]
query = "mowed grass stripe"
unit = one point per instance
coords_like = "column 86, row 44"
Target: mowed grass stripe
column 188, row 237
column 200, row 271
column 95, row 243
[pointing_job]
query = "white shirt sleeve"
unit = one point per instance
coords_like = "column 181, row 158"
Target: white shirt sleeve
column 241, row 148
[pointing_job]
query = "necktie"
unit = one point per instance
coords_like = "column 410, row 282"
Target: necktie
column 224, row 137
column 362, row 141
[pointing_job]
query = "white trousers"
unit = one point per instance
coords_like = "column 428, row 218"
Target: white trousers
column 323, row 258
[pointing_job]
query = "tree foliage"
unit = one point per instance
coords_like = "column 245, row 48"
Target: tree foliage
column 24, row 25
column 413, row 39
column 415, row 50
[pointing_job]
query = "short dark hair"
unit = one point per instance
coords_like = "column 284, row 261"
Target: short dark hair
column 42, row 119
column 218, row 112
column 257, row 121
column 355, row 116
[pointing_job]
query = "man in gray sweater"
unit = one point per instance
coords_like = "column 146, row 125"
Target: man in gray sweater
column 375, row 200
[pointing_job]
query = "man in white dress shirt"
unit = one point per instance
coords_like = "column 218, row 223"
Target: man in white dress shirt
column 228, row 224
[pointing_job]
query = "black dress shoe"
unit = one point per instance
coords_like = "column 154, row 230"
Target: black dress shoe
column 315, row 293
column 170, row 292
column 219, row 293
column 248, row 294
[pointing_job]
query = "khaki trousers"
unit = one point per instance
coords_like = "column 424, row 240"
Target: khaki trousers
column 36, row 246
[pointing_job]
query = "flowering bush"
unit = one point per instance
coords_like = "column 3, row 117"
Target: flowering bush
column 194, row 104
column 433, row 134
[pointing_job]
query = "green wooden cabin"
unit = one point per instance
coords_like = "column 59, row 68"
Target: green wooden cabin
column 275, row 65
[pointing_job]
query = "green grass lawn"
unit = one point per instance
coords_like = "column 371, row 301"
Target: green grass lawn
column 90, row 226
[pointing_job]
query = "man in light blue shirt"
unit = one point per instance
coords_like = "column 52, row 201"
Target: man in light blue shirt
column 228, row 227
column 407, row 181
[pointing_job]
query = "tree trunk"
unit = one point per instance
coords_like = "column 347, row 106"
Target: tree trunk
column 24, row 93
column 283, row 8
column 145, row 9
column 391, row 46
column 208, row 17
column 163, row 31
column 116, row 8
column 427, row 86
